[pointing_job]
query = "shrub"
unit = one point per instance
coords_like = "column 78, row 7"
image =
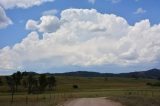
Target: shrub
column 148, row 83
column 153, row 84
column 75, row 86
column 1, row 82
column 156, row 84
column 106, row 79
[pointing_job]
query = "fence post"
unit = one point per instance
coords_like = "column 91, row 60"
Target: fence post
column 12, row 98
column 26, row 100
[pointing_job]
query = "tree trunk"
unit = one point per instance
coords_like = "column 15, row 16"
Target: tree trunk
column 12, row 95
column 16, row 87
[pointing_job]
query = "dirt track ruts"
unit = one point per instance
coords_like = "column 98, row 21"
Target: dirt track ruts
column 91, row 102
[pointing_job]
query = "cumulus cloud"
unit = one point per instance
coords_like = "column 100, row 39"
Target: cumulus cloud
column 140, row 11
column 7, row 4
column 46, row 24
column 31, row 25
column 4, row 20
column 82, row 37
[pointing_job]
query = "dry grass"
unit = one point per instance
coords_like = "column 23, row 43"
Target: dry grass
column 137, row 100
column 128, row 98
column 125, row 90
column 35, row 100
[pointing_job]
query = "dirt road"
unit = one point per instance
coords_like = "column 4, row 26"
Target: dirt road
column 92, row 102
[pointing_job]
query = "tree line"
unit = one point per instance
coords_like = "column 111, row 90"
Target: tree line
column 33, row 83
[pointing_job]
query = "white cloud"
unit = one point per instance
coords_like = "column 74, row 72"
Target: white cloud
column 7, row 4
column 4, row 20
column 31, row 25
column 84, row 38
column 140, row 11
column 46, row 24
column 50, row 12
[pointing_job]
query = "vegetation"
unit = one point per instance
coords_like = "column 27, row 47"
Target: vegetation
column 49, row 90
column 42, row 82
column 1, row 83
column 29, row 82
column 75, row 86
column 16, row 77
column 137, row 100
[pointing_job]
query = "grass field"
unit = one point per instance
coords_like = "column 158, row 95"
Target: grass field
column 98, row 83
column 137, row 100
column 125, row 90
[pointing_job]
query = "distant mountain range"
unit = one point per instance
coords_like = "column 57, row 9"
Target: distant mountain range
column 153, row 73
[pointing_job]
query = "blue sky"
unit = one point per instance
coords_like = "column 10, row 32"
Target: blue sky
column 133, row 11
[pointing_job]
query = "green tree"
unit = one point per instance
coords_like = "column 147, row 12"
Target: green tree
column 30, row 84
column 42, row 82
column 51, row 82
column 17, row 78
column 24, row 83
column 1, row 82
column 11, row 83
column 35, row 86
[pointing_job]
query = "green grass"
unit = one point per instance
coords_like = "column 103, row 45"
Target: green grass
column 96, row 83
column 65, row 83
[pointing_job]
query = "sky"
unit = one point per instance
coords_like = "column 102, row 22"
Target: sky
column 109, row 36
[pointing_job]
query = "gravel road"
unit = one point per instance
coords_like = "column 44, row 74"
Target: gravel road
column 92, row 102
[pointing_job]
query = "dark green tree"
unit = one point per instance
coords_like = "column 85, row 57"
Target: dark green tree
column 17, row 78
column 24, row 83
column 42, row 82
column 11, row 83
column 35, row 86
column 1, row 82
column 30, row 83
column 24, row 73
column 51, row 82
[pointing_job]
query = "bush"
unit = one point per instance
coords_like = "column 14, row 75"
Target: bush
column 1, row 82
column 75, row 86
column 156, row 84
column 148, row 83
column 106, row 79
column 153, row 84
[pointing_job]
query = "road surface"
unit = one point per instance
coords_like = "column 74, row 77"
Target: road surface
column 92, row 102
